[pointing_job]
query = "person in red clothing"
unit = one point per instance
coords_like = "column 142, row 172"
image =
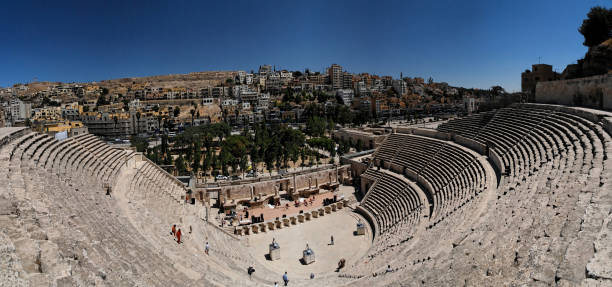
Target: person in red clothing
column 174, row 230
column 178, row 236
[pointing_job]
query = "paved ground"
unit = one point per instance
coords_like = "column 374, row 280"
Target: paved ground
column 317, row 234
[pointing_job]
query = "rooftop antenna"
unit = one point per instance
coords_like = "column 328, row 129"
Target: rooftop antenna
column 539, row 59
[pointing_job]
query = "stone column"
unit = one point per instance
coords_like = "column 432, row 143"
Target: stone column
column 336, row 174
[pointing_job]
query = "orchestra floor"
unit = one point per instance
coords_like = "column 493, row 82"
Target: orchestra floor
column 317, row 233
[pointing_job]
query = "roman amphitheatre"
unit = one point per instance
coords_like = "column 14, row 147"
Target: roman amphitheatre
column 515, row 196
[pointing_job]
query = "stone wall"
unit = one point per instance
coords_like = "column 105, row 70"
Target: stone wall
column 497, row 161
column 367, row 137
column 424, row 132
column 593, row 92
column 283, row 184
column 471, row 144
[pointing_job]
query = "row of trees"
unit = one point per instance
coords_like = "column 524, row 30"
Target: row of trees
column 211, row 148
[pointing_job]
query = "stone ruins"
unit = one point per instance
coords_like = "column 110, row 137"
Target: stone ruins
column 515, row 196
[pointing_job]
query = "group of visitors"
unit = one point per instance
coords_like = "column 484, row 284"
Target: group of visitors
column 176, row 233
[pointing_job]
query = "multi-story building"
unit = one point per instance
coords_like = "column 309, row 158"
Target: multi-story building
column 18, row 111
column 318, row 79
column 48, row 113
column 336, row 76
column 207, row 101
column 378, row 85
column 346, row 95
column 274, row 82
column 248, row 96
column 387, row 81
column 248, row 79
column 538, row 73
column 286, row 76
column 219, row 92
column 347, row 80
column 264, row 70
column 361, row 88
column 108, row 125
column 400, row 87
column 237, row 89
column 263, row 101
column 229, row 103
column 241, row 77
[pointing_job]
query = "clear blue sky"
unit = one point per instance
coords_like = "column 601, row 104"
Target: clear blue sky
column 465, row 43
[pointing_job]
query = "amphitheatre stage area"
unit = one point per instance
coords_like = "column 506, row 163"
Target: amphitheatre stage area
column 520, row 195
column 317, row 234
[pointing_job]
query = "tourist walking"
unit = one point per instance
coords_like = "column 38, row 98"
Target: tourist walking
column 332, row 240
column 251, row 270
column 174, row 230
column 286, row 278
column 178, row 236
column 275, row 284
column 206, row 248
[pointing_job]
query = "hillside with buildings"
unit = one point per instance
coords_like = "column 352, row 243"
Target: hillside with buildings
column 125, row 107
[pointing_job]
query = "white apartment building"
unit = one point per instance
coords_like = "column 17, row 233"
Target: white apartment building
column 207, row 101
column 346, row 95
column 241, row 75
column 400, row 87
column 19, row 111
column 229, row 102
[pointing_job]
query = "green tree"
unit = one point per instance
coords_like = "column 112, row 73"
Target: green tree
column 177, row 111
column 197, row 157
column 102, row 101
column 316, row 126
column 126, row 105
column 164, row 144
column 207, row 161
column 597, row 27
column 180, row 165
column 244, row 163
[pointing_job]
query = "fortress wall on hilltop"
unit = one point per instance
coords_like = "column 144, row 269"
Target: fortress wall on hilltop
column 593, row 92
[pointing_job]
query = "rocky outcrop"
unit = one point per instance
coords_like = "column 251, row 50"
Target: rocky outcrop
column 598, row 60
